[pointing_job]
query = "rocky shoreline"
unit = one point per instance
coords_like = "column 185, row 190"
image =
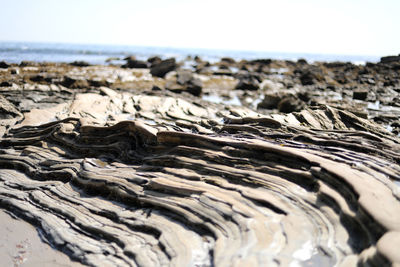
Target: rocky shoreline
column 192, row 163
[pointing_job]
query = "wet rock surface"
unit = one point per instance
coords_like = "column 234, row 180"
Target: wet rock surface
column 115, row 167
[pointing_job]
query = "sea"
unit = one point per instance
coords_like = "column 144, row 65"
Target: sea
column 15, row 52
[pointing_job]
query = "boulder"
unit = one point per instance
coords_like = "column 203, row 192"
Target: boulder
column 161, row 68
column 79, row 64
column 26, row 63
column 70, row 82
column 302, row 61
column 156, row 88
column 390, row 59
column 289, row 104
column 43, row 78
column 194, row 87
column 284, row 102
column 336, row 64
column 185, row 82
column 184, row 76
column 307, row 78
column 135, row 64
column 360, row 94
column 4, row 65
column 5, row 84
column 248, row 81
column 173, row 86
column 270, row 101
column 309, row 74
column 228, row 60
column 203, row 67
column 248, row 84
column 198, row 59
column 98, row 83
column 262, row 61
column 131, row 57
column 154, row 60
column 37, row 78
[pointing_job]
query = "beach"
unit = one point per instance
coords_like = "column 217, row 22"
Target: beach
column 156, row 160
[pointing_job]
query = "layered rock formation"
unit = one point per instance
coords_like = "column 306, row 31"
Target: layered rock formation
column 123, row 172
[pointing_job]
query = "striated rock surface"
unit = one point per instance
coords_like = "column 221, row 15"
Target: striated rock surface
column 113, row 176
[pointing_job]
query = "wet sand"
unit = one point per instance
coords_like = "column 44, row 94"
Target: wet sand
column 20, row 245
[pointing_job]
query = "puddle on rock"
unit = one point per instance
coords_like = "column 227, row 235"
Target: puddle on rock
column 374, row 106
column 234, row 101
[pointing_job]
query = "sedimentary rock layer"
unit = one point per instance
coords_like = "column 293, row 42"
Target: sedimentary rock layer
column 117, row 178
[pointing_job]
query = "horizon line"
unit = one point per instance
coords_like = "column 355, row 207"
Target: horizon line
column 200, row 48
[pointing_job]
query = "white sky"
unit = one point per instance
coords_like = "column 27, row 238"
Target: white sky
column 352, row 27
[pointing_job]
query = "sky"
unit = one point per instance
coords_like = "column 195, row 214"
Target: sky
column 348, row 27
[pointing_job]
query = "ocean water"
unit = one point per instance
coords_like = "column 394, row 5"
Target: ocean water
column 15, row 52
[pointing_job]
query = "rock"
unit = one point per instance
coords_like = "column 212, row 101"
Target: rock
column 184, row 76
column 302, row 61
column 304, row 96
column 194, row 87
column 228, row 60
column 37, row 78
column 126, row 182
column 307, row 78
column 248, row 84
column 366, row 78
column 110, row 59
column 395, row 101
column 221, row 71
column 396, row 66
column 390, row 59
column 9, row 115
column 175, row 87
column 7, row 110
column 203, row 68
column 268, row 85
column 223, row 66
column 185, row 82
column 70, row 82
column 4, row 65
column 337, row 64
column 248, row 81
column 131, row 57
column 341, row 78
column 360, row 94
column 99, row 83
column 270, row 101
column 5, row 84
column 156, row 88
column 26, row 63
column 198, row 59
column 142, row 177
column 79, row 64
column 263, row 61
column 135, row 64
column 154, row 60
column 283, row 101
column 309, row 74
column 163, row 67
column 14, row 71
column 290, row 104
